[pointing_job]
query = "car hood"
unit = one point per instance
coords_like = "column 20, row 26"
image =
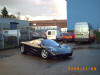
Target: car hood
column 60, row 49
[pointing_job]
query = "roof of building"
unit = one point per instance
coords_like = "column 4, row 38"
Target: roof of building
column 60, row 23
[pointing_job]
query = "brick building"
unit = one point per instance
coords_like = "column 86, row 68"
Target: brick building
column 50, row 23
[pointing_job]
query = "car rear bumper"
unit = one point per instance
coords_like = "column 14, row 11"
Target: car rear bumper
column 81, row 39
column 67, row 39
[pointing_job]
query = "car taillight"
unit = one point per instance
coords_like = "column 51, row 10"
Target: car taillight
column 56, row 36
column 72, row 36
column 89, row 36
column 63, row 36
column 95, row 36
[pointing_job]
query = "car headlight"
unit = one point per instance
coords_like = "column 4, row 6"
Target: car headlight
column 52, row 49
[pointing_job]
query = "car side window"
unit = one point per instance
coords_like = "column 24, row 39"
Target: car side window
column 49, row 33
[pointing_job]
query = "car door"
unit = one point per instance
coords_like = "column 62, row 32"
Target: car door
column 36, row 48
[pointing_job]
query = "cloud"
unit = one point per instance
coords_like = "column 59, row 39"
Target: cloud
column 42, row 17
column 47, row 8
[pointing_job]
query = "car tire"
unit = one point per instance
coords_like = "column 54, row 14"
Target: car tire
column 44, row 54
column 22, row 50
column 70, row 54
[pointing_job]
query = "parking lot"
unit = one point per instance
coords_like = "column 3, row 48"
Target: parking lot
column 12, row 62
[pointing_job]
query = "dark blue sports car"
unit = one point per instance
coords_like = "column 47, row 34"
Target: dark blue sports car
column 45, row 48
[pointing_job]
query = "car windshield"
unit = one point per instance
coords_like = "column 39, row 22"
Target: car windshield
column 50, row 43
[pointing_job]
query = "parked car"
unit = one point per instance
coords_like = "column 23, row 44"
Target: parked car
column 45, row 48
column 67, row 36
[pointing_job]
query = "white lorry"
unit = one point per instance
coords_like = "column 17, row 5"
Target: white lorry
column 83, row 32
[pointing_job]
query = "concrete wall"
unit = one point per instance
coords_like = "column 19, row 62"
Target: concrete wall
column 5, row 22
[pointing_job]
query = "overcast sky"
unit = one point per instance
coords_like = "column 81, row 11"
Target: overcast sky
column 37, row 9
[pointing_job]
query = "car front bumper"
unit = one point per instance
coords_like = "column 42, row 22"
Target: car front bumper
column 62, row 54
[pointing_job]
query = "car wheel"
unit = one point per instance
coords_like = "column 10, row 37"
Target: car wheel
column 22, row 49
column 70, row 54
column 44, row 54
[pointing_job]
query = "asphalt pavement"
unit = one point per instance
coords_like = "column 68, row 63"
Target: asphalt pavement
column 12, row 62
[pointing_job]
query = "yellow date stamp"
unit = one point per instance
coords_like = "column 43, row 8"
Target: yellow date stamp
column 81, row 68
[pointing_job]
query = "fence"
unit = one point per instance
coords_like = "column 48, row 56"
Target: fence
column 12, row 38
column 8, row 39
column 1, row 40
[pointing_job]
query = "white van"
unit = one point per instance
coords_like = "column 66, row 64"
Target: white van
column 53, row 34
column 83, row 32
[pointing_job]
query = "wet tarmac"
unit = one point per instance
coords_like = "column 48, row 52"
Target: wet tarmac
column 12, row 62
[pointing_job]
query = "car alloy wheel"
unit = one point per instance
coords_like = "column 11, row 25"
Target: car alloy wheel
column 44, row 54
column 22, row 49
